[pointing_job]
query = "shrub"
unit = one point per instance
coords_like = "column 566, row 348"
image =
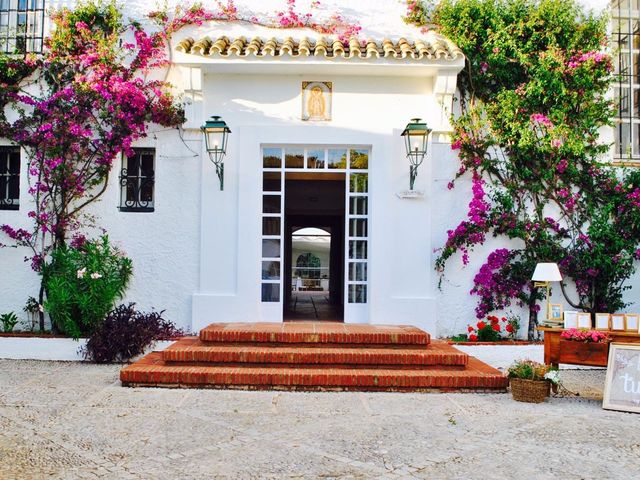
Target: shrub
column 512, row 327
column 32, row 308
column 83, row 282
column 492, row 331
column 126, row 333
column 462, row 337
column 8, row 321
column 488, row 331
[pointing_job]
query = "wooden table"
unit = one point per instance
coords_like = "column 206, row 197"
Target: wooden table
column 557, row 351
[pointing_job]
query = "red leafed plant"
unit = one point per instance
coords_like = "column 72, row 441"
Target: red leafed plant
column 127, row 332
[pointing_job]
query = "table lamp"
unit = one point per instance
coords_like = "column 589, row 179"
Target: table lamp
column 543, row 275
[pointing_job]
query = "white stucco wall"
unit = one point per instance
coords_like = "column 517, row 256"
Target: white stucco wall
column 163, row 245
column 197, row 255
column 366, row 111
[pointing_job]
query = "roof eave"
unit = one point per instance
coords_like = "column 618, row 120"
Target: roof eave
column 343, row 66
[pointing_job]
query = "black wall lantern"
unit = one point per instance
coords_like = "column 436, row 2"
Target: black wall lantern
column 416, row 136
column 216, row 134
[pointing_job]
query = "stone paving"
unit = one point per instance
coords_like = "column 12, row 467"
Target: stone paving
column 71, row 421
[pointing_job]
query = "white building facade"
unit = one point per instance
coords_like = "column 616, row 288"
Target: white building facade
column 206, row 254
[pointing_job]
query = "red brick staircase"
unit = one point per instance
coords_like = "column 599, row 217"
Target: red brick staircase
column 313, row 356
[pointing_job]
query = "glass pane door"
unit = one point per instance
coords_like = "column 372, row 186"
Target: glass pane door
column 357, row 227
column 335, row 161
column 272, row 225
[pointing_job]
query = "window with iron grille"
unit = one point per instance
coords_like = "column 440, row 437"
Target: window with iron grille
column 21, row 26
column 625, row 26
column 137, row 178
column 9, row 178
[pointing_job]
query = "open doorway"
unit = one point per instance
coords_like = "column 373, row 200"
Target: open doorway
column 314, row 248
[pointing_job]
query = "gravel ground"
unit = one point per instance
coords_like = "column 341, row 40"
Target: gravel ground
column 72, row 420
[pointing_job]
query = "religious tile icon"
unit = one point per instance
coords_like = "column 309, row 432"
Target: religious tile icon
column 316, row 101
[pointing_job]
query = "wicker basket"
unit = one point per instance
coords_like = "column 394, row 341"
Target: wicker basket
column 531, row 391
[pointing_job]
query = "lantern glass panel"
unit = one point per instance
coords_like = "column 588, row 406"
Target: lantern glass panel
column 417, row 141
column 215, row 139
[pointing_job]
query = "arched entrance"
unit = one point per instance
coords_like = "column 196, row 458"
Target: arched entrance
column 314, row 293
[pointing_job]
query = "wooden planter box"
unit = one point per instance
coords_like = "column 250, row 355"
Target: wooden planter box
column 584, row 353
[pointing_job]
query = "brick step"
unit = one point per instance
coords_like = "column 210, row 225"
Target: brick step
column 151, row 371
column 314, row 333
column 194, row 351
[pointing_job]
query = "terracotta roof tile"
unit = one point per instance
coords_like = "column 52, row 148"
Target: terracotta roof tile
column 431, row 46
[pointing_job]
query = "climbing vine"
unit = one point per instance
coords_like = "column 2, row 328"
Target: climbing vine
column 532, row 99
column 88, row 97
column 328, row 23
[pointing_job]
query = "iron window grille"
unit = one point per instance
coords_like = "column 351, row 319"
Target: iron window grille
column 625, row 26
column 21, row 26
column 137, row 181
column 9, row 178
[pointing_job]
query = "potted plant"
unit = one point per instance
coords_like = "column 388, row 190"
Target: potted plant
column 584, row 347
column 531, row 381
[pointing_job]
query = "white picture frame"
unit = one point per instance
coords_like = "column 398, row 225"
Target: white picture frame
column 570, row 319
column 603, row 321
column 584, row 320
column 621, row 369
column 618, row 323
column 632, row 322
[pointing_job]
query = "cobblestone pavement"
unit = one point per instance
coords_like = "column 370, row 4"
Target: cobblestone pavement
column 71, row 421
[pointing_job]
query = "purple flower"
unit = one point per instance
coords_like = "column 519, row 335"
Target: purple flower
column 562, row 165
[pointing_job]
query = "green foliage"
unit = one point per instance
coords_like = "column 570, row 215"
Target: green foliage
column 31, row 306
column 486, row 332
column 530, row 370
column 513, row 327
column 83, row 283
column 462, row 337
column 101, row 16
column 418, row 12
column 533, row 98
column 8, row 321
column 518, row 40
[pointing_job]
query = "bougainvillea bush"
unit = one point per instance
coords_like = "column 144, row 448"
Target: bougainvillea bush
column 82, row 102
column 79, row 105
column 532, row 100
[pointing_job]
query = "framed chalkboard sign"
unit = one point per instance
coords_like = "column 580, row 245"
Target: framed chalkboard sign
column 622, row 386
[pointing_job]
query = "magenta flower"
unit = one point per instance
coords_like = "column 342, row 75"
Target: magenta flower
column 541, row 119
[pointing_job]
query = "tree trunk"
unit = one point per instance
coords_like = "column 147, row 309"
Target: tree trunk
column 40, row 303
column 594, row 303
column 533, row 315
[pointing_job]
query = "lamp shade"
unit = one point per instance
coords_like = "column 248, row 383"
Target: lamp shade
column 547, row 272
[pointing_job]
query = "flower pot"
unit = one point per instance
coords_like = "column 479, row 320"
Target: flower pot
column 531, row 391
column 584, row 353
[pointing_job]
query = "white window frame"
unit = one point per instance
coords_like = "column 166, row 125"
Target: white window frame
column 353, row 312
